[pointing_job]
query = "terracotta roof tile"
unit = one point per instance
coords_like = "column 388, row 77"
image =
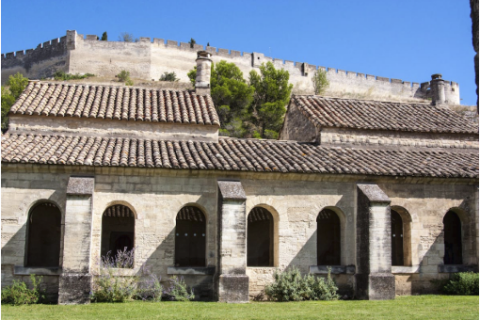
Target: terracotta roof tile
column 376, row 115
column 236, row 155
column 113, row 102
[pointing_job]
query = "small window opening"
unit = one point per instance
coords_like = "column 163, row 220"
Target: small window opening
column 397, row 239
column 118, row 230
column 44, row 231
column 328, row 238
column 260, row 238
column 452, row 238
column 190, row 238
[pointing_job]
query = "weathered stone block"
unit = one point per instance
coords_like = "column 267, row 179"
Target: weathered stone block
column 75, row 288
column 233, row 288
column 375, row 286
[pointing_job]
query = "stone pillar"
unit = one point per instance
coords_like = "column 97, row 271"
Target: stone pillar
column 204, row 67
column 75, row 281
column 437, row 86
column 232, row 260
column 374, row 279
column 477, row 224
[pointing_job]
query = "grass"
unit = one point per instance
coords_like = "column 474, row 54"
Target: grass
column 409, row 307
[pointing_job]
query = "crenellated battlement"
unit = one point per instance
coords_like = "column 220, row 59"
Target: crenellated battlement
column 149, row 58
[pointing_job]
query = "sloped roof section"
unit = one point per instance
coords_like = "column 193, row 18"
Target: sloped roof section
column 379, row 115
column 114, row 102
column 235, row 155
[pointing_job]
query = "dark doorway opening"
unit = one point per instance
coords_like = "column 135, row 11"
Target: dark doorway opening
column 118, row 230
column 397, row 239
column 190, row 238
column 260, row 238
column 44, row 236
column 328, row 238
column 452, row 227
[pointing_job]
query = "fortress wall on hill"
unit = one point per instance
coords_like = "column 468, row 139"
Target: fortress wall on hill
column 41, row 62
column 147, row 59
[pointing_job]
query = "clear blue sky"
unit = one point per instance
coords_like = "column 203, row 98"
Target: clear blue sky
column 408, row 40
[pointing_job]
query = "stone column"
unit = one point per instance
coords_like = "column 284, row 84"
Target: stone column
column 477, row 224
column 437, row 86
column 374, row 279
column 232, row 260
column 75, row 281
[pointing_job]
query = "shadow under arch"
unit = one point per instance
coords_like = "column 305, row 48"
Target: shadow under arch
column 273, row 234
column 330, row 236
column 455, row 232
column 122, row 203
column 118, row 228
column 44, row 234
column 190, row 236
column 401, row 231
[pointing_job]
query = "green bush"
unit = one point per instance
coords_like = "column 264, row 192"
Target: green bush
column 18, row 293
column 463, row 283
column 169, row 76
column 124, row 76
column 60, row 75
column 179, row 290
column 320, row 82
column 290, row 286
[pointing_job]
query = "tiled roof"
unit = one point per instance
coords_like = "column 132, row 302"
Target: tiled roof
column 235, row 154
column 115, row 102
column 378, row 115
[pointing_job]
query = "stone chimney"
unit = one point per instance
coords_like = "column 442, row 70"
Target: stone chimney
column 438, row 89
column 204, row 65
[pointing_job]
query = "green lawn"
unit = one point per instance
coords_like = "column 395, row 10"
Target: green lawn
column 412, row 307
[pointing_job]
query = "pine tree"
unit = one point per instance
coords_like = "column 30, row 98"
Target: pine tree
column 192, row 42
column 104, row 36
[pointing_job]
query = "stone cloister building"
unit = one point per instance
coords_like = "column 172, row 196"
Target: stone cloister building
column 384, row 193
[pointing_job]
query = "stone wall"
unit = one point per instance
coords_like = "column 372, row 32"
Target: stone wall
column 156, row 196
column 147, row 59
column 41, row 62
column 339, row 136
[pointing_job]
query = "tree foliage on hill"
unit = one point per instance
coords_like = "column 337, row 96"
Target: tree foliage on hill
column 127, row 37
column 255, row 108
column 192, row 42
column 17, row 84
column 104, row 36
column 272, row 93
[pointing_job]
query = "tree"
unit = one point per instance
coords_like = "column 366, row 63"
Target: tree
column 208, row 44
column 17, row 84
column 104, row 36
column 192, row 42
column 320, row 82
column 272, row 93
column 127, row 37
column 231, row 95
column 169, row 76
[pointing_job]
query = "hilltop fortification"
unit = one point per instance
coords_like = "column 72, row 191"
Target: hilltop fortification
column 147, row 59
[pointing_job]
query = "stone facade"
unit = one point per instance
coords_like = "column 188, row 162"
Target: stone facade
column 159, row 155
column 147, row 59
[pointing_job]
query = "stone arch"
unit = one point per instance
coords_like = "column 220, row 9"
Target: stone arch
column 118, row 228
column 453, row 237
column 44, row 231
column 401, row 236
column 123, row 203
column 330, row 235
column 190, row 236
column 262, row 236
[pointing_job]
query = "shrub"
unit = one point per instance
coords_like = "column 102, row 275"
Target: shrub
column 179, row 291
column 290, row 286
column 169, row 76
column 124, row 76
column 109, row 287
column 148, row 286
column 463, row 283
column 286, row 287
column 60, row 75
column 18, row 293
column 17, row 84
column 320, row 82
